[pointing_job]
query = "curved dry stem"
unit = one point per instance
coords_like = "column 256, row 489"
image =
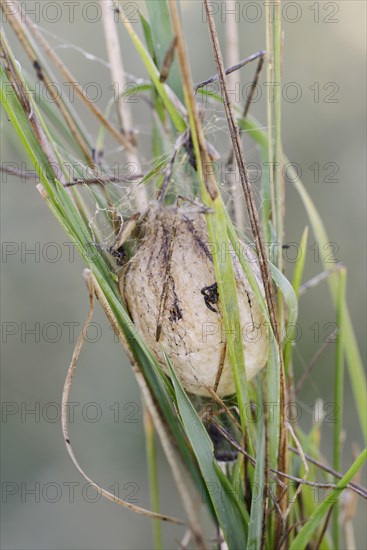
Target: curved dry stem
column 168, row 448
column 64, row 422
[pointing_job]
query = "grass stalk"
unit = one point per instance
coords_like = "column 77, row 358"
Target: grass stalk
column 338, row 393
column 278, row 157
column 151, row 450
column 118, row 81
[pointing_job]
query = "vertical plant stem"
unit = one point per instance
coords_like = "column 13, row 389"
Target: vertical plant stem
column 278, row 162
column 338, row 394
column 150, row 444
column 268, row 191
column 279, row 225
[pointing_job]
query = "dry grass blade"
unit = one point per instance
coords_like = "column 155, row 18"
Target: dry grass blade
column 118, row 81
column 117, row 68
column 232, row 57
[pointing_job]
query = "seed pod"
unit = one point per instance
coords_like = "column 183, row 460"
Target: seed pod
column 170, row 292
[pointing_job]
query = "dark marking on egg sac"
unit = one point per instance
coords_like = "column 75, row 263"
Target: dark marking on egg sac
column 197, row 239
column 175, row 311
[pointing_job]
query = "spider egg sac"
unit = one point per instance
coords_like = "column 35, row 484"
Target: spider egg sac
column 164, row 289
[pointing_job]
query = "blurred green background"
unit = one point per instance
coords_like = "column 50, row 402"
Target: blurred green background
column 324, row 45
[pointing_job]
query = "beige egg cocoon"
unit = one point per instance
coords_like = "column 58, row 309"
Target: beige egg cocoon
column 162, row 287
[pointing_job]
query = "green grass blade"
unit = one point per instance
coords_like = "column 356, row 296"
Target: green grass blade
column 224, row 276
column 307, row 531
column 338, row 393
column 17, row 117
column 257, row 503
column 277, row 155
column 272, row 370
column 230, row 512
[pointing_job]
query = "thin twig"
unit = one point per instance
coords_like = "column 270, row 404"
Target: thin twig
column 317, row 279
column 324, row 528
column 105, row 180
column 29, row 176
column 168, row 60
column 352, row 486
column 230, row 70
column 362, row 491
column 249, row 99
column 239, row 448
column 236, row 203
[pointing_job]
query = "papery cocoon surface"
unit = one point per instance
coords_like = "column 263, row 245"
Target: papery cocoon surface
column 162, row 289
